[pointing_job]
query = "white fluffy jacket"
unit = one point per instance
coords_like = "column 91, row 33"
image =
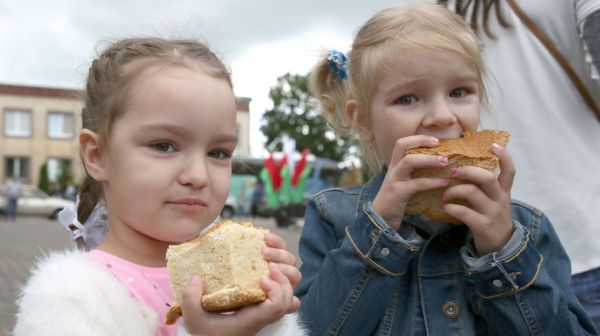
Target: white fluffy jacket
column 69, row 295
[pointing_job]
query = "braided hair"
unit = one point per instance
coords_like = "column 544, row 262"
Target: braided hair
column 479, row 10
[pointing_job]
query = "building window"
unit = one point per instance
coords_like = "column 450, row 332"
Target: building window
column 17, row 166
column 56, row 166
column 60, row 125
column 17, row 123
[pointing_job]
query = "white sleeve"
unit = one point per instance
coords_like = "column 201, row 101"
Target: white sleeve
column 584, row 8
column 287, row 326
column 69, row 295
column 588, row 22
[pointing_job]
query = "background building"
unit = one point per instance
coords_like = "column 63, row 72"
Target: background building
column 40, row 125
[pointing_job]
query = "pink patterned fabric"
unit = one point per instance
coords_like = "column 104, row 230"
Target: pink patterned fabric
column 148, row 285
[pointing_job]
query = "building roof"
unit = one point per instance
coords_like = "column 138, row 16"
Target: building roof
column 36, row 91
column 242, row 103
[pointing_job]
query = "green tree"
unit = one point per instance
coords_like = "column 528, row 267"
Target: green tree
column 65, row 174
column 295, row 113
column 43, row 181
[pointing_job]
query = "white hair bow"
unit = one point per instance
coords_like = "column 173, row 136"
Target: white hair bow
column 92, row 231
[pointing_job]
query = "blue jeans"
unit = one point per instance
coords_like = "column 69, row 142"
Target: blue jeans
column 11, row 209
column 586, row 287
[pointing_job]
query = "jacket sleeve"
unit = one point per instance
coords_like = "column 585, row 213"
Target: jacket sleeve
column 69, row 295
column 347, row 270
column 588, row 19
column 524, row 289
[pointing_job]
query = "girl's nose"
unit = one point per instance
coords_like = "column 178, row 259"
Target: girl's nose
column 194, row 173
column 439, row 115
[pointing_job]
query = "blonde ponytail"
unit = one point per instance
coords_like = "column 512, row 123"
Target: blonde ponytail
column 333, row 93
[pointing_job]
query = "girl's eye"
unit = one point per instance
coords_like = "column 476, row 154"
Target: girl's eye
column 406, row 100
column 219, row 154
column 163, row 147
column 458, row 93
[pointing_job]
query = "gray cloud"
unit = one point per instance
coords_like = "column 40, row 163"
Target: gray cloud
column 49, row 42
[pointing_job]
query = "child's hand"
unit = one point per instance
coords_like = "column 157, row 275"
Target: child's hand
column 277, row 252
column 488, row 215
column 248, row 320
column 398, row 186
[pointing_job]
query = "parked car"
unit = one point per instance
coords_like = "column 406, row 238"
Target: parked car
column 230, row 208
column 33, row 201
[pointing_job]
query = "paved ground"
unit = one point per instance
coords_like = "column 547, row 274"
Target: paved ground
column 27, row 238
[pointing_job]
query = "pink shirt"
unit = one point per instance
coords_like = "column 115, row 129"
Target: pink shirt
column 148, row 285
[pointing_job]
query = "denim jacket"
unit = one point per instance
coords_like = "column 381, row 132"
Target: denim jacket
column 360, row 277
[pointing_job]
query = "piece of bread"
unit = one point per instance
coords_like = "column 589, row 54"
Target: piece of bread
column 472, row 149
column 228, row 258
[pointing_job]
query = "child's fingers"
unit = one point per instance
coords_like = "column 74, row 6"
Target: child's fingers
column 246, row 320
column 507, row 167
column 278, row 276
column 488, row 220
column 464, row 213
column 410, row 142
column 415, row 161
column 278, row 300
column 295, row 305
column 275, row 241
column 416, row 185
column 279, row 256
column 191, row 304
column 191, row 297
column 292, row 273
column 483, row 178
column 278, row 288
column 475, row 197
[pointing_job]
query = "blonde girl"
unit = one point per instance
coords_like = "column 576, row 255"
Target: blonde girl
column 415, row 75
column 156, row 144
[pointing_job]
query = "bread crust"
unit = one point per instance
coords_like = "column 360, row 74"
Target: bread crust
column 472, row 149
column 221, row 291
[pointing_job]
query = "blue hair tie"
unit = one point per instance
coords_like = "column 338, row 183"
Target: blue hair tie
column 338, row 62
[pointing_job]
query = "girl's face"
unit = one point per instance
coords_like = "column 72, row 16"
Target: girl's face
column 168, row 159
column 431, row 93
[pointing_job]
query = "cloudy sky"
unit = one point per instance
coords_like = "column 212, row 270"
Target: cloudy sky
column 51, row 42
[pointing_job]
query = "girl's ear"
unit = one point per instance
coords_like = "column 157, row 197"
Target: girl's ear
column 91, row 154
column 360, row 121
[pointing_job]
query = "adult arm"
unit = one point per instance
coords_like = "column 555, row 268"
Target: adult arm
column 591, row 36
column 587, row 14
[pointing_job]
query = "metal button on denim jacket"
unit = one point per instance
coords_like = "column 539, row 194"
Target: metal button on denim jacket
column 360, row 277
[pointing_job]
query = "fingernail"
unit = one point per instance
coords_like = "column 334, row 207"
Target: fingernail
column 266, row 251
column 496, row 147
column 443, row 159
column 445, row 180
column 195, row 280
column 434, row 141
